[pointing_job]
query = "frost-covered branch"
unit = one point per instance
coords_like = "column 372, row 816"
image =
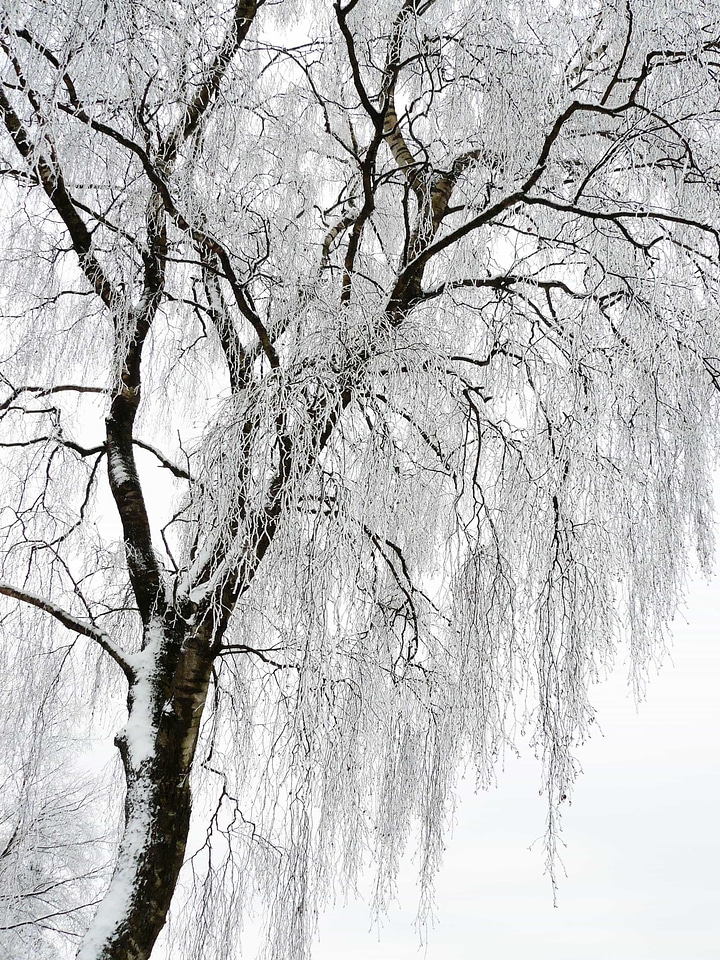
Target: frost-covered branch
column 43, row 161
column 242, row 18
column 84, row 627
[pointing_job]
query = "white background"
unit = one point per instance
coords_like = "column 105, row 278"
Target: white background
column 642, row 835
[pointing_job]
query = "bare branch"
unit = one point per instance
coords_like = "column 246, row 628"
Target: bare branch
column 49, row 391
column 176, row 471
column 83, row 627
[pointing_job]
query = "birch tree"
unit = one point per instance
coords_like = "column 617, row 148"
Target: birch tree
column 359, row 397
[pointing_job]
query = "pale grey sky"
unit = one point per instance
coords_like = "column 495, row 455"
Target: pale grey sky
column 643, row 838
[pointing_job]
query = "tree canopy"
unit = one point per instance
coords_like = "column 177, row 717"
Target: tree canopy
column 359, row 396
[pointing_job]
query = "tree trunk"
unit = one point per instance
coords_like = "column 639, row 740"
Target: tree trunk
column 157, row 749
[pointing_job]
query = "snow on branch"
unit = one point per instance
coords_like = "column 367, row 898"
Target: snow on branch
column 72, row 622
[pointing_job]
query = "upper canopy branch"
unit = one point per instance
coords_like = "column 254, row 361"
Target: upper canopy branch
column 45, row 164
column 423, row 253
column 341, row 14
column 242, row 19
column 392, row 131
column 180, row 472
column 618, row 215
column 501, row 282
column 386, row 127
column 156, row 170
column 236, row 358
column 432, row 188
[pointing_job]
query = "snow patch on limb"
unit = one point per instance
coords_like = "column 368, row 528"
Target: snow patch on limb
column 117, row 905
column 197, row 592
column 140, row 731
column 117, row 472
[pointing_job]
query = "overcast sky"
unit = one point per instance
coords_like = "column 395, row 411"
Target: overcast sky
column 643, row 840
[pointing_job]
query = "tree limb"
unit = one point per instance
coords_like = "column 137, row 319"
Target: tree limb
column 73, row 623
column 242, row 19
column 174, row 469
column 48, row 391
column 52, row 182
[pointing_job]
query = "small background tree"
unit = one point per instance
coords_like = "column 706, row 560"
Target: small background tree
column 55, row 846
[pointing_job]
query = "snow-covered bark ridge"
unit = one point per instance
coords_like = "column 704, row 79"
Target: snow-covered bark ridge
column 157, row 745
